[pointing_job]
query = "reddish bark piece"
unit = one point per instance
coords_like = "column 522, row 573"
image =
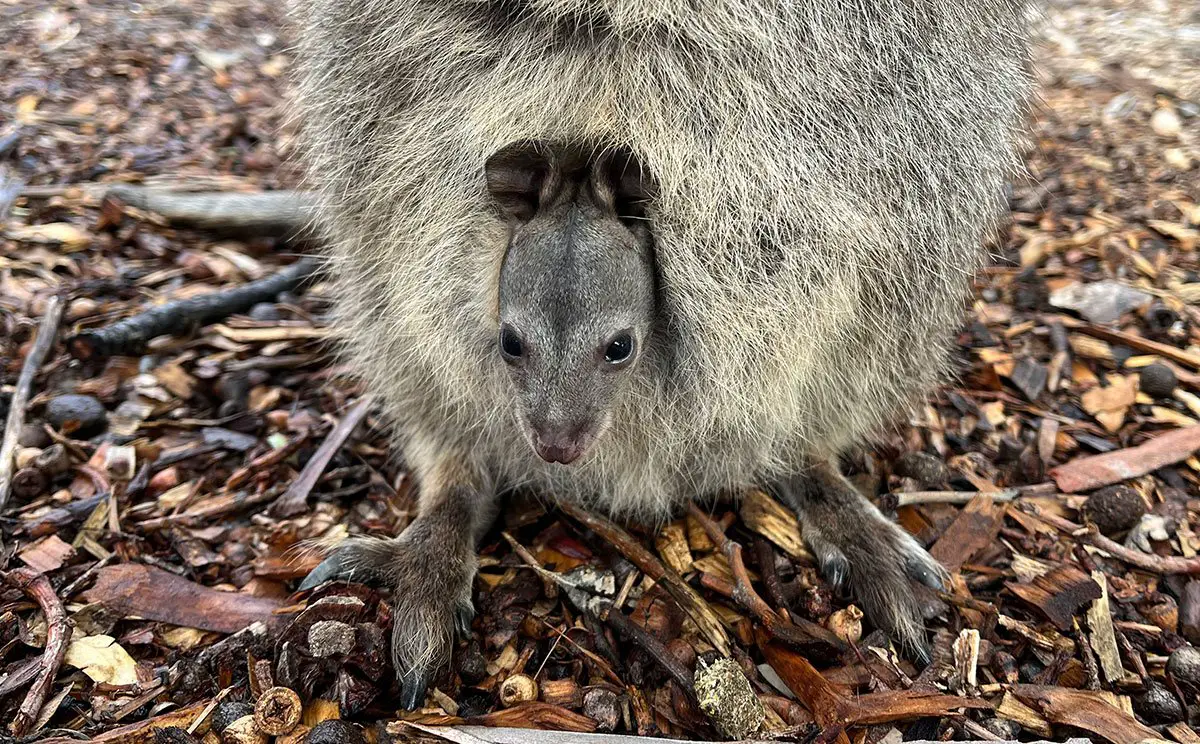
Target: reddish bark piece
column 155, row 594
column 1058, row 594
column 832, row 709
column 1087, row 473
column 975, row 528
column 1084, row 709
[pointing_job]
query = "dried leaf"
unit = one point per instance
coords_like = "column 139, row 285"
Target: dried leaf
column 154, row 594
column 1088, row 710
column 103, row 659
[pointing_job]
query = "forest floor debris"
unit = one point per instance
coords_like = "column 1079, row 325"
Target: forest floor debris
column 181, row 446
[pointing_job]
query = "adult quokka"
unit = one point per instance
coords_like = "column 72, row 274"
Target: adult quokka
column 635, row 252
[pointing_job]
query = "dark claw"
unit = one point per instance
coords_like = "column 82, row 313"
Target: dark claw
column 462, row 621
column 835, row 569
column 327, row 570
column 413, row 687
column 922, row 572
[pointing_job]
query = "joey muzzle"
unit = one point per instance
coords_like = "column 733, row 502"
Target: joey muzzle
column 563, row 444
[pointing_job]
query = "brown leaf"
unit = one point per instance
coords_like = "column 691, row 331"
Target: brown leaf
column 47, row 554
column 155, row 594
column 1109, row 404
column 1086, row 710
column 1087, row 473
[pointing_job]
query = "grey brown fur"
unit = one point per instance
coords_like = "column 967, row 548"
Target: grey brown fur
column 827, row 172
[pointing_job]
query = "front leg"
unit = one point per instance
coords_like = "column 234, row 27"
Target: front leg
column 429, row 568
column 853, row 541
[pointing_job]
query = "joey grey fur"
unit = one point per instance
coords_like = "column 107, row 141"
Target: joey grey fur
column 780, row 204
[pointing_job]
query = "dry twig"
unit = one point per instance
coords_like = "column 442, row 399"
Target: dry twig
column 805, row 636
column 20, row 399
column 58, row 634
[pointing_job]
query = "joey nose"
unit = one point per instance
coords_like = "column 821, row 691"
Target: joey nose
column 563, row 446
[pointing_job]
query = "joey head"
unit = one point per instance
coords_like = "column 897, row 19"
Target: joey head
column 577, row 288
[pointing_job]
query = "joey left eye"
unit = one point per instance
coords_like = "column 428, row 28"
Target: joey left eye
column 619, row 350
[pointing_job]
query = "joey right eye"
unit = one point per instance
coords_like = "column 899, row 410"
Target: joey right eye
column 510, row 345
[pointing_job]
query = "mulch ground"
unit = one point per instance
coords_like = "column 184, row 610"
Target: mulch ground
column 163, row 501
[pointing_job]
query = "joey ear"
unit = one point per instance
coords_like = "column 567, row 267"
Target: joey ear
column 518, row 175
column 630, row 183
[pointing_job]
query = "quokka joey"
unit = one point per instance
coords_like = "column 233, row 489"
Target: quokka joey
column 635, row 252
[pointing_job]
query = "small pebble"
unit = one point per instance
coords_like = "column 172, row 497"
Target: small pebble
column 334, row 732
column 330, row 638
column 80, row 415
column 1157, row 380
column 1184, row 665
column 82, row 308
column 602, row 706
column 1114, row 509
column 1158, row 705
column 1166, row 123
column 922, row 467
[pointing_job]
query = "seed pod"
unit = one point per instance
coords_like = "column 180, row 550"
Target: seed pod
column 243, row 731
column 846, row 624
column 1161, row 610
column 173, row 735
column 1157, row 380
column 1115, row 508
column 54, row 460
column 1184, row 665
column 29, row 483
column 277, row 711
column 519, row 688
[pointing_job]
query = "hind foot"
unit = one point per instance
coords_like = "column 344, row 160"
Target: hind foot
column 429, row 570
column 855, row 544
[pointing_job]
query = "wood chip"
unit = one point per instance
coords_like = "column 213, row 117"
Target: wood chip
column 1087, row 473
column 975, row 529
column 1058, row 594
column 1102, row 638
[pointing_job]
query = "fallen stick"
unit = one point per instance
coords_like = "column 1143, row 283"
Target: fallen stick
column 806, row 636
column 20, row 399
column 272, row 213
column 129, row 336
column 58, row 633
column 911, row 498
column 687, row 597
column 1147, row 562
column 295, row 499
